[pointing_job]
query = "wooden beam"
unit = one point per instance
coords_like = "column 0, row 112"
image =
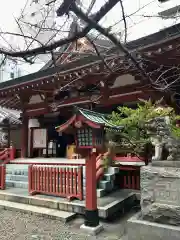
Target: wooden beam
column 28, row 106
column 36, row 112
column 86, row 99
column 127, row 89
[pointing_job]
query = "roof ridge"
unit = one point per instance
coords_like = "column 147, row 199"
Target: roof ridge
column 90, row 111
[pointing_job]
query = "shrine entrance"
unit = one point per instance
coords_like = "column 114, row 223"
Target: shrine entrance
column 58, row 142
column 63, row 140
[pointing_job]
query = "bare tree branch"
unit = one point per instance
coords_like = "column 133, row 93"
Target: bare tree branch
column 45, row 49
column 111, row 37
column 124, row 19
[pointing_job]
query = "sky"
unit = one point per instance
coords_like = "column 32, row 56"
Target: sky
column 141, row 20
column 11, row 8
column 8, row 9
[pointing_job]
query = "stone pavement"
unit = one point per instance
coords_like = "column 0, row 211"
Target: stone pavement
column 16, row 225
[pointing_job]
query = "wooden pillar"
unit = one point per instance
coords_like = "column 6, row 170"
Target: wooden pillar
column 91, row 211
column 24, row 137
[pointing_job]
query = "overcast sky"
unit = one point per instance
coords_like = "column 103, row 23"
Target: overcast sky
column 9, row 9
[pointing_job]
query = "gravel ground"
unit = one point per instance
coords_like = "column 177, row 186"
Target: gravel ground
column 22, row 226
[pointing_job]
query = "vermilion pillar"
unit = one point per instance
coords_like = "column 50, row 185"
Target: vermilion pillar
column 24, row 137
column 91, row 211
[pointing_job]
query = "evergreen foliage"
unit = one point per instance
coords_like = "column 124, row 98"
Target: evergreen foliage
column 134, row 135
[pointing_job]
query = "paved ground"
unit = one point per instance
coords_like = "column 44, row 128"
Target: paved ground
column 22, row 226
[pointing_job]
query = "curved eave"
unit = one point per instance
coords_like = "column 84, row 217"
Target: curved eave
column 65, row 125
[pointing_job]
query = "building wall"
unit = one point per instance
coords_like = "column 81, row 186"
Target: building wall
column 32, row 124
column 124, row 80
column 15, row 138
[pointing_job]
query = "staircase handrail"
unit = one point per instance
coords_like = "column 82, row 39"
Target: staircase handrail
column 7, row 154
column 3, row 151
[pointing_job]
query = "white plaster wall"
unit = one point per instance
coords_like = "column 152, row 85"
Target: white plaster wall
column 31, row 124
column 36, row 99
column 124, row 80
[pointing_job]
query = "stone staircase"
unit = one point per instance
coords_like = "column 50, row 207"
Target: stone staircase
column 17, row 177
column 106, row 185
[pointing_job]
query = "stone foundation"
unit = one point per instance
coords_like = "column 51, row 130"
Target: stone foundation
column 160, row 205
column 139, row 229
column 160, row 191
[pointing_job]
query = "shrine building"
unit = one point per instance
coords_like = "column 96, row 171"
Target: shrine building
column 43, row 105
column 53, row 121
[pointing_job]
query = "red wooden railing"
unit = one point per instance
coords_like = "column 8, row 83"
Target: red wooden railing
column 2, row 176
column 57, row 181
column 7, row 154
column 99, row 167
column 130, row 178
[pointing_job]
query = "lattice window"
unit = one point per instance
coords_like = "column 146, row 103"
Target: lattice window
column 84, row 137
column 98, row 137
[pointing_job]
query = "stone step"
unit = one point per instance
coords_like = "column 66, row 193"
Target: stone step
column 40, row 211
column 21, row 178
column 17, row 166
column 16, row 184
column 106, row 185
column 109, row 176
column 17, row 172
column 107, row 206
column 113, row 170
column 100, row 193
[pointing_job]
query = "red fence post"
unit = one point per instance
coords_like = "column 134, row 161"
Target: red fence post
column 138, row 180
column 57, row 181
column 12, row 152
column 80, row 183
column 91, row 211
column 3, row 176
column 30, row 169
column 131, row 179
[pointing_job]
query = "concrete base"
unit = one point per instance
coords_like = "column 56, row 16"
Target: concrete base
column 139, row 230
column 107, row 206
column 92, row 230
column 40, row 211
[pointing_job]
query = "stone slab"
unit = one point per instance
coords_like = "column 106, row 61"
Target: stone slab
column 175, row 164
column 92, row 230
column 138, row 229
column 21, row 178
column 54, row 214
column 159, row 185
column 48, row 160
column 164, row 214
column 107, row 205
column 16, row 184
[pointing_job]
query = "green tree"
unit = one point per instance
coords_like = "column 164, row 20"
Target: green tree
column 134, row 138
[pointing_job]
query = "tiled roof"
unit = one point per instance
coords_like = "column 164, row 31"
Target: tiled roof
column 96, row 117
column 11, row 115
